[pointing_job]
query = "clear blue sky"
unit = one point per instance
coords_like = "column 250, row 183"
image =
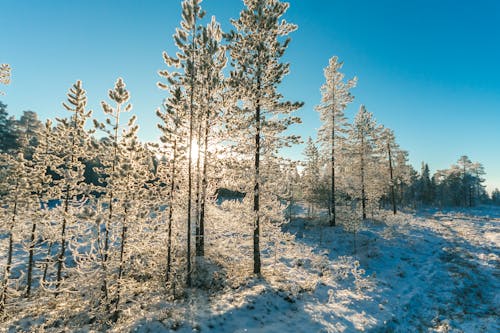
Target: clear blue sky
column 428, row 69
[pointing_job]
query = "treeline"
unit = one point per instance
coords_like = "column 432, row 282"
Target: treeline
column 97, row 218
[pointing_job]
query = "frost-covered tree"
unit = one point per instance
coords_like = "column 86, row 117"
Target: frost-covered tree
column 71, row 149
column 212, row 62
column 5, row 74
column 390, row 147
column 335, row 97
column 256, row 47
column 174, row 144
column 362, row 138
column 16, row 202
column 185, row 76
column 41, row 187
column 311, row 175
column 113, row 155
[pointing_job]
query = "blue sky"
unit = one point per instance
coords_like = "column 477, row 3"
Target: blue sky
column 427, row 69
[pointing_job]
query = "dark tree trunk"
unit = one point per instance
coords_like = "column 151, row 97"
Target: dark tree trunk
column 256, row 195
column 29, row 277
column 363, row 195
column 3, row 297
column 170, row 213
column 393, row 194
column 333, row 215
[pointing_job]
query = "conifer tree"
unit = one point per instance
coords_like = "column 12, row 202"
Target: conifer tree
column 213, row 60
column 5, row 73
column 256, row 48
column 362, row 138
column 71, row 150
column 311, row 177
column 173, row 146
column 388, row 141
column 335, row 97
column 186, row 77
column 113, row 154
column 15, row 203
column 43, row 190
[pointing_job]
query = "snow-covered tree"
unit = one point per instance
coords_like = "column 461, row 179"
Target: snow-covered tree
column 311, row 175
column 185, row 76
column 335, row 97
column 5, row 73
column 71, row 149
column 362, row 138
column 15, row 203
column 113, row 156
column 256, row 47
column 41, row 186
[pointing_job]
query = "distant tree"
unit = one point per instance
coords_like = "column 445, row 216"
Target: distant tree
column 9, row 132
column 28, row 127
column 335, row 98
column 495, row 196
column 5, row 75
column 311, row 175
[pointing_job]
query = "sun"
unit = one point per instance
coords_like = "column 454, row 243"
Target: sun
column 194, row 151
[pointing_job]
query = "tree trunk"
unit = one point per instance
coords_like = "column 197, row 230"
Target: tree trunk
column 256, row 195
column 204, row 185
column 393, row 194
column 333, row 210
column 170, row 213
column 363, row 195
column 29, row 277
column 120, row 268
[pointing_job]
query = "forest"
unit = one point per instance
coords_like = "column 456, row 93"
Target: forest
column 96, row 223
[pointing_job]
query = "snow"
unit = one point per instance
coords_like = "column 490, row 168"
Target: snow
column 434, row 270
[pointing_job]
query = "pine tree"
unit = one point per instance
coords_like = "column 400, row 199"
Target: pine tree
column 335, row 97
column 213, row 61
column 187, row 60
column 43, row 190
column 113, row 154
column 362, row 138
column 15, row 204
column 256, row 48
column 5, row 74
column 174, row 145
column 311, row 177
column 71, row 149
column 388, row 142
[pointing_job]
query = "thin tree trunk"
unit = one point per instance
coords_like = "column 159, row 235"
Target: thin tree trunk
column 363, row 195
column 60, row 258
column 29, row 277
column 170, row 213
column 120, row 268
column 8, row 266
column 46, row 267
column 393, row 194
column 256, row 195
column 190, row 163
column 204, row 184
column 198, row 249
column 333, row 211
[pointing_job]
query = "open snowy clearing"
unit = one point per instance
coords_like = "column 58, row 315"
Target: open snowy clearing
column 433, row 271
column 436, row 271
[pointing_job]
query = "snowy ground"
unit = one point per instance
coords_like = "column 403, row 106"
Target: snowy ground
column 435, row 271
